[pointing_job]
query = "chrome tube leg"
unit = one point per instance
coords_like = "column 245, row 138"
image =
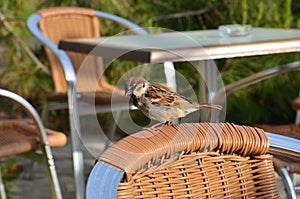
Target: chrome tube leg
column 2, row 188
column 210, row 79
column 170, row 74
column 54, row 182
column 208, row 83
column 45, row 113
column 113, row 128
column 79, row 174
column 77, row 153
column 288, row 183
column 298, row 115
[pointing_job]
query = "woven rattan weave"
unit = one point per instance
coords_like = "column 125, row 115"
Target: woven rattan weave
column 203, row 160
column 67, row 22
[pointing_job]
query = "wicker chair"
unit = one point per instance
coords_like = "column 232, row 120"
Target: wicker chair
column 55, row 24
column 26, row 136
column 285, row 164
column 50, row 26
column 195, row 160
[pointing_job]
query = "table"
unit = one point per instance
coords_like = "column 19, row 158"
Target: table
column 189, row 46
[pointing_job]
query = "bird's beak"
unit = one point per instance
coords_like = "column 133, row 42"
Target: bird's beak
column 128, row 92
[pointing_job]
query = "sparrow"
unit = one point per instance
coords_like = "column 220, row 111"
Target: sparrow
column 159, row 102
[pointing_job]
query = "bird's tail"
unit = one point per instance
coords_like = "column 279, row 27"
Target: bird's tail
column 211, row 106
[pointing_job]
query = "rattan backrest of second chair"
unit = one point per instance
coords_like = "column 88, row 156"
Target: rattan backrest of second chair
column 69, row 22
column 203, row 160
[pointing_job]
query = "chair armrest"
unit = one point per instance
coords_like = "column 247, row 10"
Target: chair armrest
column 247, row 81
column 103, row 181
column 284, row 142
column 132, row 26
column 153, row 144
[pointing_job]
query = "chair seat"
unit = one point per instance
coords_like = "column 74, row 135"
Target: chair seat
column 296, row 104
column 56, row 138
column 104, row 98
column 57, row 96
column 19, row 136
column 98, row 98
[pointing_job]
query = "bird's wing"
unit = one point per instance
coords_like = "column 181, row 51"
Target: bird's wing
column 164, row 86
column 164, row 96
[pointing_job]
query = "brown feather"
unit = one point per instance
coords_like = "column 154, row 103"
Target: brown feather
column 159, row 102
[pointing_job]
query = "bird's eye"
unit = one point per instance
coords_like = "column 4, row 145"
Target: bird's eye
column 143, row 85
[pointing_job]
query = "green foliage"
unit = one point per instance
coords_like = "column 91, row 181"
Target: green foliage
column 19, row 73
column 10, row 169
column 260, row 103
column 268, row 101
column 26, row 80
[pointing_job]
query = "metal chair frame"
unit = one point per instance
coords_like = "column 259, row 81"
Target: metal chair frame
column 70, row 77
column 45, row 157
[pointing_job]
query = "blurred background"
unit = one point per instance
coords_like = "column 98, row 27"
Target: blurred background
column 267, row 102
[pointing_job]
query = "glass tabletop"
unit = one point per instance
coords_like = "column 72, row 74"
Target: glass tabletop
column 187, row 45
